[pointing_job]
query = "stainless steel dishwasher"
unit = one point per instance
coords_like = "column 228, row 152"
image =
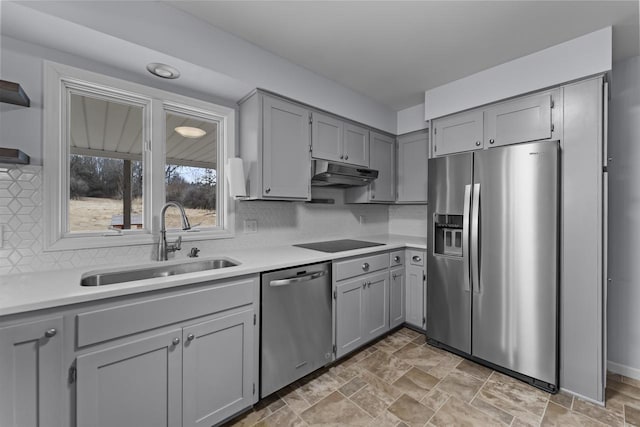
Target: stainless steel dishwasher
column 296, row 324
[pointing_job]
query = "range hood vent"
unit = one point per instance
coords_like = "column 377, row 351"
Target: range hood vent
column 330, row 174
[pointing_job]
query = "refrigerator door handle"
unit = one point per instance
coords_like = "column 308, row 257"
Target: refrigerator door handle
column 475, row 250
column 465, row 237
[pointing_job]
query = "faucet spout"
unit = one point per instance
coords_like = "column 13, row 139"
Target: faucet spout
column 163, row 247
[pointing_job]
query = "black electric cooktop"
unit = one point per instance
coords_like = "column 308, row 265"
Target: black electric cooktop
column 338, row 245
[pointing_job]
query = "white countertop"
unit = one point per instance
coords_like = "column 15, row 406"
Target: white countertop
column 21, row 293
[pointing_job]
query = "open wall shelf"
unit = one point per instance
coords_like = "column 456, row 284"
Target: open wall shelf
column 12, row 93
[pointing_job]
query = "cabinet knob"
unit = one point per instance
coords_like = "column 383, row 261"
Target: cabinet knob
column 268, row 190
column 478, row 143
column 176, row 341
column 364, row 285
column 346, row 157
column 342, row 157
column 393, row 276
column 491, row 141
column 373, row 196
column 396, row 258
column 416, row 258
column 190, row 337
column 365, row 266
column 50, row 332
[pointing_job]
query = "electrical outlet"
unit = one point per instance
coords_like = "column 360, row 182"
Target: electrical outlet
column 250, row 226
column 362, row 219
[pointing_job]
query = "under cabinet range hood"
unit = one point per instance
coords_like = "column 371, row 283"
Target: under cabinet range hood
column 326, row 173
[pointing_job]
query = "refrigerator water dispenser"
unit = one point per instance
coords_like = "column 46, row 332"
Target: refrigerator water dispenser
column 448, row 235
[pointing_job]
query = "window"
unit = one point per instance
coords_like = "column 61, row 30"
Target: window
column 116, row 151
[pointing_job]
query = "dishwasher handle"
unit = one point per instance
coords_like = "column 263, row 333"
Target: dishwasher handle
column 298, row 279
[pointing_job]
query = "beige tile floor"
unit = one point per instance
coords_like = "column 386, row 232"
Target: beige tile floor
column 402, row 381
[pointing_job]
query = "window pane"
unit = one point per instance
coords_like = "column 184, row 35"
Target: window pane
column 191, row 171
column 105, row 164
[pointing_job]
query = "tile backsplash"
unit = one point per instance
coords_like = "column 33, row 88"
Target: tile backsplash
column 279, row 223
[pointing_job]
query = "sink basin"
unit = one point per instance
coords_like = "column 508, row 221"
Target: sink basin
column 101, row 279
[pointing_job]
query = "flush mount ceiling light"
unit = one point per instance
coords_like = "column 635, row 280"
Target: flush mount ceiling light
column 190, row 132
column 163, row 70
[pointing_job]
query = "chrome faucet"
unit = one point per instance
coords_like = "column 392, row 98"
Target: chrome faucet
column 163, row 247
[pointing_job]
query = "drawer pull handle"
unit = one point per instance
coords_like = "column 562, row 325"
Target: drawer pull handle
column 190, row 337
column 416, row 258
column 365, row 266
column 176, row 341
column 51, row 332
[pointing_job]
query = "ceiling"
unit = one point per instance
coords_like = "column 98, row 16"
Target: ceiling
column 392, row 51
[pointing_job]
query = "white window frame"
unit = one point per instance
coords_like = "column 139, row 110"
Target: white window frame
column 59, row 80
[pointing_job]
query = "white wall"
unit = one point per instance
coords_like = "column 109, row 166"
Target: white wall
column 164, row 29
column 578, row 58
column 408, row 220
column 411, row 119
column 624, row 219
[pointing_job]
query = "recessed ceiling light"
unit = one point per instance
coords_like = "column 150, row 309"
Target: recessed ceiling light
column 190, row 132
column 163, row 70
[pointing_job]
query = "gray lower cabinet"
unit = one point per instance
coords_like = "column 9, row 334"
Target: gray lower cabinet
column 362, row 310
column 133, row 384
column 415, row 289
column 350, row 316
column 217, row 365
column 397, row 297
column 31, row 374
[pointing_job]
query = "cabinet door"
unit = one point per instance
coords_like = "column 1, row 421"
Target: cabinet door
column 134, row 384
column 396, row 297
column 326, row 138
column 522, row 120
column 217, row 369
column 350, row 316
column 376, row 305
column 286, row 162
column 382, row 159
column 462, row 132
column 415, row 296
column 31, row 374
column 413, row 153
column 356, row 145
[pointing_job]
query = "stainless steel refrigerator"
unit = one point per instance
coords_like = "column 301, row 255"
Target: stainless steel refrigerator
column 492, row 268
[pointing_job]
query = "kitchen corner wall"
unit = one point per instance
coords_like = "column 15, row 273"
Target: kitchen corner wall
column 279, row 223
column 624, row 220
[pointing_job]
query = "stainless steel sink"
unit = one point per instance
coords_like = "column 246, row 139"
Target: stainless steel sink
column 101, row 279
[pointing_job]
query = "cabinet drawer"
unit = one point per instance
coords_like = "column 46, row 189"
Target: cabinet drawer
column 415, row 257
column 108, row 323
column 396, row 258
column 358, row 266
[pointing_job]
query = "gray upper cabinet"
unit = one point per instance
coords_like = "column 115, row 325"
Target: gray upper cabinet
column 382, row 158
column 522, row 120
column 134, row 384
column 218, row 366
column 31, row 374
column 326, row 138
column 356, row 144
column 413, row 153
column 454, row 134
column 275, row 140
